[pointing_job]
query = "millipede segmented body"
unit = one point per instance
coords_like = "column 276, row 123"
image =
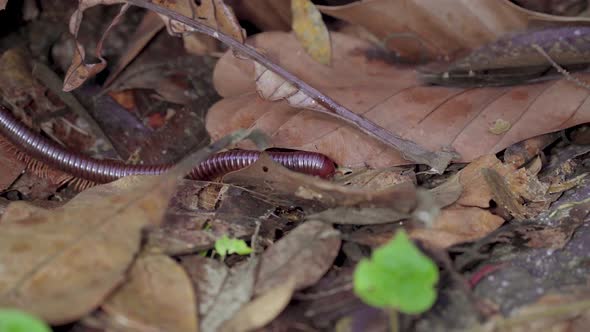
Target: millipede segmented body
column 48, row 152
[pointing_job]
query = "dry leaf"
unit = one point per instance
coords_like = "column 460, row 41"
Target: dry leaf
column 552, row 312
column 236, row 290
column 262, row 310
column 311, row 31
column 457, row 225
column 437, row 28
column 433, row 117
column 60, row 264
column 157, row 296
column 304, row 255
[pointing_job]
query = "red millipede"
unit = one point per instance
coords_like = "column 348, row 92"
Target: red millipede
column 50, row 153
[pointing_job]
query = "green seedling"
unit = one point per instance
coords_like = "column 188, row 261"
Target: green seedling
column 397, row 276
column 225, row 246
column 18, row 321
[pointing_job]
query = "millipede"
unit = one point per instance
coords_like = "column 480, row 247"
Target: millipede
column 33, row 147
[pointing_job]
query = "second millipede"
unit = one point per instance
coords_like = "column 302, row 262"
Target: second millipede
column 80, row 166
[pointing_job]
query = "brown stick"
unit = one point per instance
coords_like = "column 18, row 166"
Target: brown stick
column 438, row 161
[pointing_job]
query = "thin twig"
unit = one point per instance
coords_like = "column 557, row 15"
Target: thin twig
column 560, row 69
column 438, row 161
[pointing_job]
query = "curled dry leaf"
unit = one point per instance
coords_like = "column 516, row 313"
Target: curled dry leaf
column 79, row 71
column 434, row 117
column 438, row 28
column 311, row 31
column 262, row 310
column 157, row 296
column 214, row 13
column 304, row 255
column 81, row 250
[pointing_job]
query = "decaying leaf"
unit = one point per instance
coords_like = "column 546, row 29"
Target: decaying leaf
column 311, row 30
column 208, row 277
column 553, row 312
column 236, row 290
column 275, row 181
column 304, row 255
column 433, row 28
column 262, row 309
column 157, row 296
column 434, row 117
column 519, row 58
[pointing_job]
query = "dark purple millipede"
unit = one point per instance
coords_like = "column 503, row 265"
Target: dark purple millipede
column 50, row 153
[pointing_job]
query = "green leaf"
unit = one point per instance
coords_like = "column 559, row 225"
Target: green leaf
column 399, row 276
column 226, row 246
column 19, row 321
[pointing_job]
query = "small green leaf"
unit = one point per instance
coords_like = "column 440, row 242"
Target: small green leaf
column 226, row 246
column 397, row 276
column 19, row 321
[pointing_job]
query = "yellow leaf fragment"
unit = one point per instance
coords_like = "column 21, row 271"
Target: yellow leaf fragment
column 311, row 30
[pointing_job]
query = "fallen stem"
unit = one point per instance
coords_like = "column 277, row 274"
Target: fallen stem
column 438, row 161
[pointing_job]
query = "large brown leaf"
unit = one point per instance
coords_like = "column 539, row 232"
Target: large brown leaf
column 389, row 95
column 159, row 296
column 60, row 264
column 304, row 255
